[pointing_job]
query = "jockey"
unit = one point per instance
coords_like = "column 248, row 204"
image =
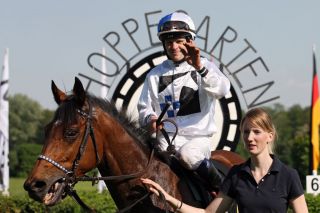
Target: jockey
column 191, row 84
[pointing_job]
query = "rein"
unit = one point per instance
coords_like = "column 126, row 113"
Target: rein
column 71, row 179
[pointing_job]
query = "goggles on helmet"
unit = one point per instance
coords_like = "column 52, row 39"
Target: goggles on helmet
column 175, row 25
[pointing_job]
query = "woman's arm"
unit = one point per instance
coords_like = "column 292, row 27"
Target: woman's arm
column 219, row 204
column 299, row 204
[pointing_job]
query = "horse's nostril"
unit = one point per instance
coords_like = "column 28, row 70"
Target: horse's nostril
column 34, row 186
column 39, row 184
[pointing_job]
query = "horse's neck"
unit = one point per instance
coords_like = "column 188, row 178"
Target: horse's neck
column 122, row 153
column 125, row 155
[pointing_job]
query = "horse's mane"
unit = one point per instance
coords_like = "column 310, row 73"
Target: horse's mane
column 67, row 114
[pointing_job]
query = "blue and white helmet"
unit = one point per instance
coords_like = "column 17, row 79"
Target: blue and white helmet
column 176, row 24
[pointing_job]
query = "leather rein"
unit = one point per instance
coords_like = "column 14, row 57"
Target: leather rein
column 71, row 179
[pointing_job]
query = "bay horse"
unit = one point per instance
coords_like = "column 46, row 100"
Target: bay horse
column 88, row 132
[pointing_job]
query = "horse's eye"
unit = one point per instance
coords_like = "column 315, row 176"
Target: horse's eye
column 71, row 133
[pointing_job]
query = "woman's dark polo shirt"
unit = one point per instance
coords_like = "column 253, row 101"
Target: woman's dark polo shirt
column 271, row 194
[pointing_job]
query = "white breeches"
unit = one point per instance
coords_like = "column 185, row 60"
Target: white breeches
column 190, row 150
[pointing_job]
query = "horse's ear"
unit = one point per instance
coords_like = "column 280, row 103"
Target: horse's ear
column 79, row 91
column 58, row 95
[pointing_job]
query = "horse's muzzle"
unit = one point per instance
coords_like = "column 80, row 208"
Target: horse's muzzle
column 41, row 191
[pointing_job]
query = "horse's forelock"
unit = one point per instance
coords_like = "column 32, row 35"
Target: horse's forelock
column 67, row 111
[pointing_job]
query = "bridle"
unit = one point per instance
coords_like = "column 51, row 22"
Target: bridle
column 71, row 179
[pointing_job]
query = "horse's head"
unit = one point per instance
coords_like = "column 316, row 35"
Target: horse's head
column 69, row 149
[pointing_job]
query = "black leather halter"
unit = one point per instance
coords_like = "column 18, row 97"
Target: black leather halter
column 70, row 178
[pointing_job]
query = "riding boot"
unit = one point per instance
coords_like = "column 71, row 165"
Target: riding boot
column 208, row 172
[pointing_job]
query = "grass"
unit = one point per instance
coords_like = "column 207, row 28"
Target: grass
column 16, row 187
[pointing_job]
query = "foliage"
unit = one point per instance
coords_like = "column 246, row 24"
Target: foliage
column 26, row 157
column 284, row 129
column 24, row 119
column 313, row 203
column 300, row 156
column 27, row 120
column 100, row 202
column 20, row 202
column 292, row 125
column 46, row 117
column 16, row 187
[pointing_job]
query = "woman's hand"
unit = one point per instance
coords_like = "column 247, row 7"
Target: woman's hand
column 155, row 188
column 176, row 204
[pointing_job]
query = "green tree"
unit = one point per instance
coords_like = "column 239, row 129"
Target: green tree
column 46, row 117
column 283, row 125
column 300, row 156
column 27, row 154
column 27, row 120
column 24, row 119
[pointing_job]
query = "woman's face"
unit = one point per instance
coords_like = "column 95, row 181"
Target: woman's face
column 256, row 139
column 173, row 48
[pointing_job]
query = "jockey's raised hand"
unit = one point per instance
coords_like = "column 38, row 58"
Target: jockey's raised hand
column 191, row 53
